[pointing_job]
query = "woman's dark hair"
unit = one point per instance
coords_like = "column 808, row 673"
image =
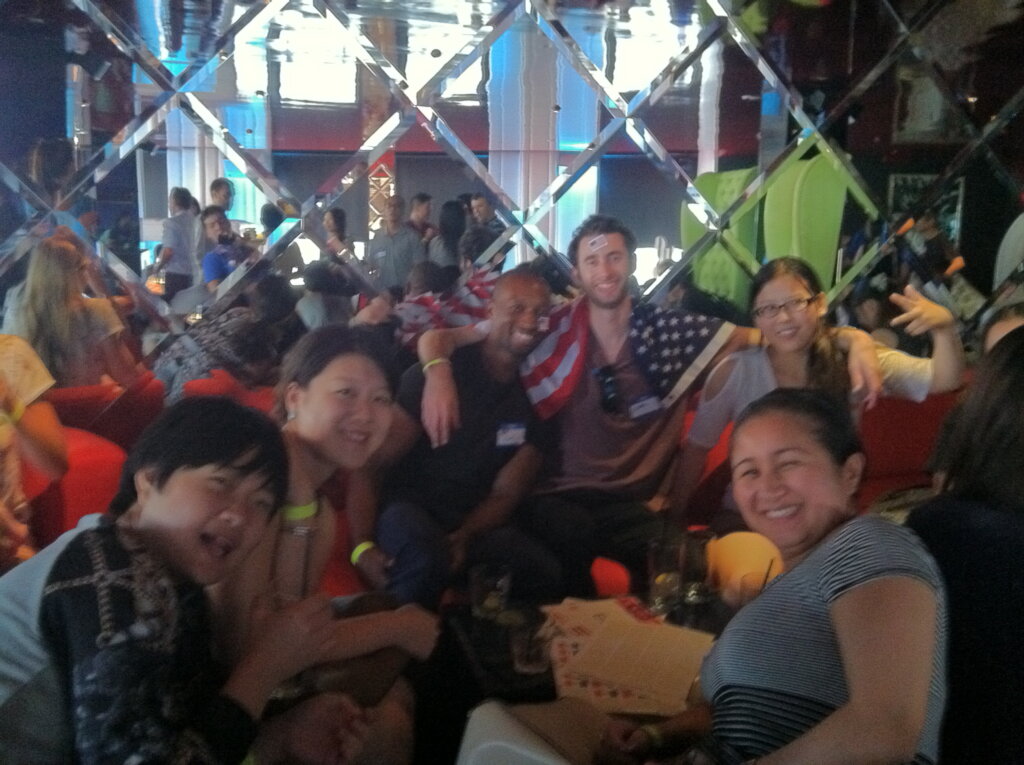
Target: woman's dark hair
column 474, row 242
column 315, row 350
column 452, row 224
column 340, row 221
column 49, row 162
column 320, row 277
column 206, row 430
column 426, row 277
column 272, row 298
column 986, row 446
column 826, row 368
column 830, row 422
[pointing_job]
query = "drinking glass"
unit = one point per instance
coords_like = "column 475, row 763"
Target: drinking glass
column 529, row 643
column 488, row 590
column 664, row 572
column 695, row 587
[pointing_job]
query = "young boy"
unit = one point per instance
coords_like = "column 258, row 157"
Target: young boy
column 105, row 640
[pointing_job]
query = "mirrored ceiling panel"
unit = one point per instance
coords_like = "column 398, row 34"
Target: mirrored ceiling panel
column 970, row 45
column 417, row 42
column 66, row 77
column 698, row 125
column 628, row 45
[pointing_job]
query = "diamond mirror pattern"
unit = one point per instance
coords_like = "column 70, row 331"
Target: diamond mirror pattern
column 715, row 129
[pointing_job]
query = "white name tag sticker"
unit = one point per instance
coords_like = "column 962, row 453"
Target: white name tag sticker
column 644, row 406
column 381, row 254
column 511, row 434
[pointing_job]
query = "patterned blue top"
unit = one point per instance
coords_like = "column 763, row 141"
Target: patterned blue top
column 111, row 661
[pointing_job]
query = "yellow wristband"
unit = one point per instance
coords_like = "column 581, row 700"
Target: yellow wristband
column 359, row 549
column 435, row 362
column 299, row 512
column 654, row 734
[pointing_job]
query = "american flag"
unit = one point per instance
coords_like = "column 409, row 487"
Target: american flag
column 467, row 305
column 670, row 347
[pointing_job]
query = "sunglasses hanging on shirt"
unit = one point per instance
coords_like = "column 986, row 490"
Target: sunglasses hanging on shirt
column 611, row 400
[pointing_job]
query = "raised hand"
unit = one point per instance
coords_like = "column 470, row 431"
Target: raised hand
column 920, row 315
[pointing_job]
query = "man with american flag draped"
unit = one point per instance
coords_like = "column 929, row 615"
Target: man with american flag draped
column 615, row 376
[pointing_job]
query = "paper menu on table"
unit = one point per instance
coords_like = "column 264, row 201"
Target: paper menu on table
column 609, row 697
column 618, row 657
column 661, row 659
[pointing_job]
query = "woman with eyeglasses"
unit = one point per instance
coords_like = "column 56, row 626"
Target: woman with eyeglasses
column 799, row 350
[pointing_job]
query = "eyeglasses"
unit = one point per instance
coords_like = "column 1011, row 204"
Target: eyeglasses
column 611, row 401
column 792, row 306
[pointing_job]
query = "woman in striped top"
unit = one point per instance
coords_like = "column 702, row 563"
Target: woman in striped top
column 842, row 658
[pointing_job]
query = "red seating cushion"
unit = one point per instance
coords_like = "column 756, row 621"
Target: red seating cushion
column 119, row 416
column 94, row 470
column 78, row 407
column 899, row 437
column 223, row 383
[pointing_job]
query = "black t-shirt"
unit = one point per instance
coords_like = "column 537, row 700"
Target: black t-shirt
column 978, row 549
column 496, row 420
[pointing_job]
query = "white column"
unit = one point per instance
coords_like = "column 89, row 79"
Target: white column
column 529, row 78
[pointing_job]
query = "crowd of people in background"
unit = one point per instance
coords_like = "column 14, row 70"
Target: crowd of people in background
column 466, row 413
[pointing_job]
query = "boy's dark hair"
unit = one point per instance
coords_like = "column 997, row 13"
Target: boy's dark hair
column 271, row 216
column 206, row 430
column 600, row 224
column 209, row 211
column 315, row 350
column 420, row 198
